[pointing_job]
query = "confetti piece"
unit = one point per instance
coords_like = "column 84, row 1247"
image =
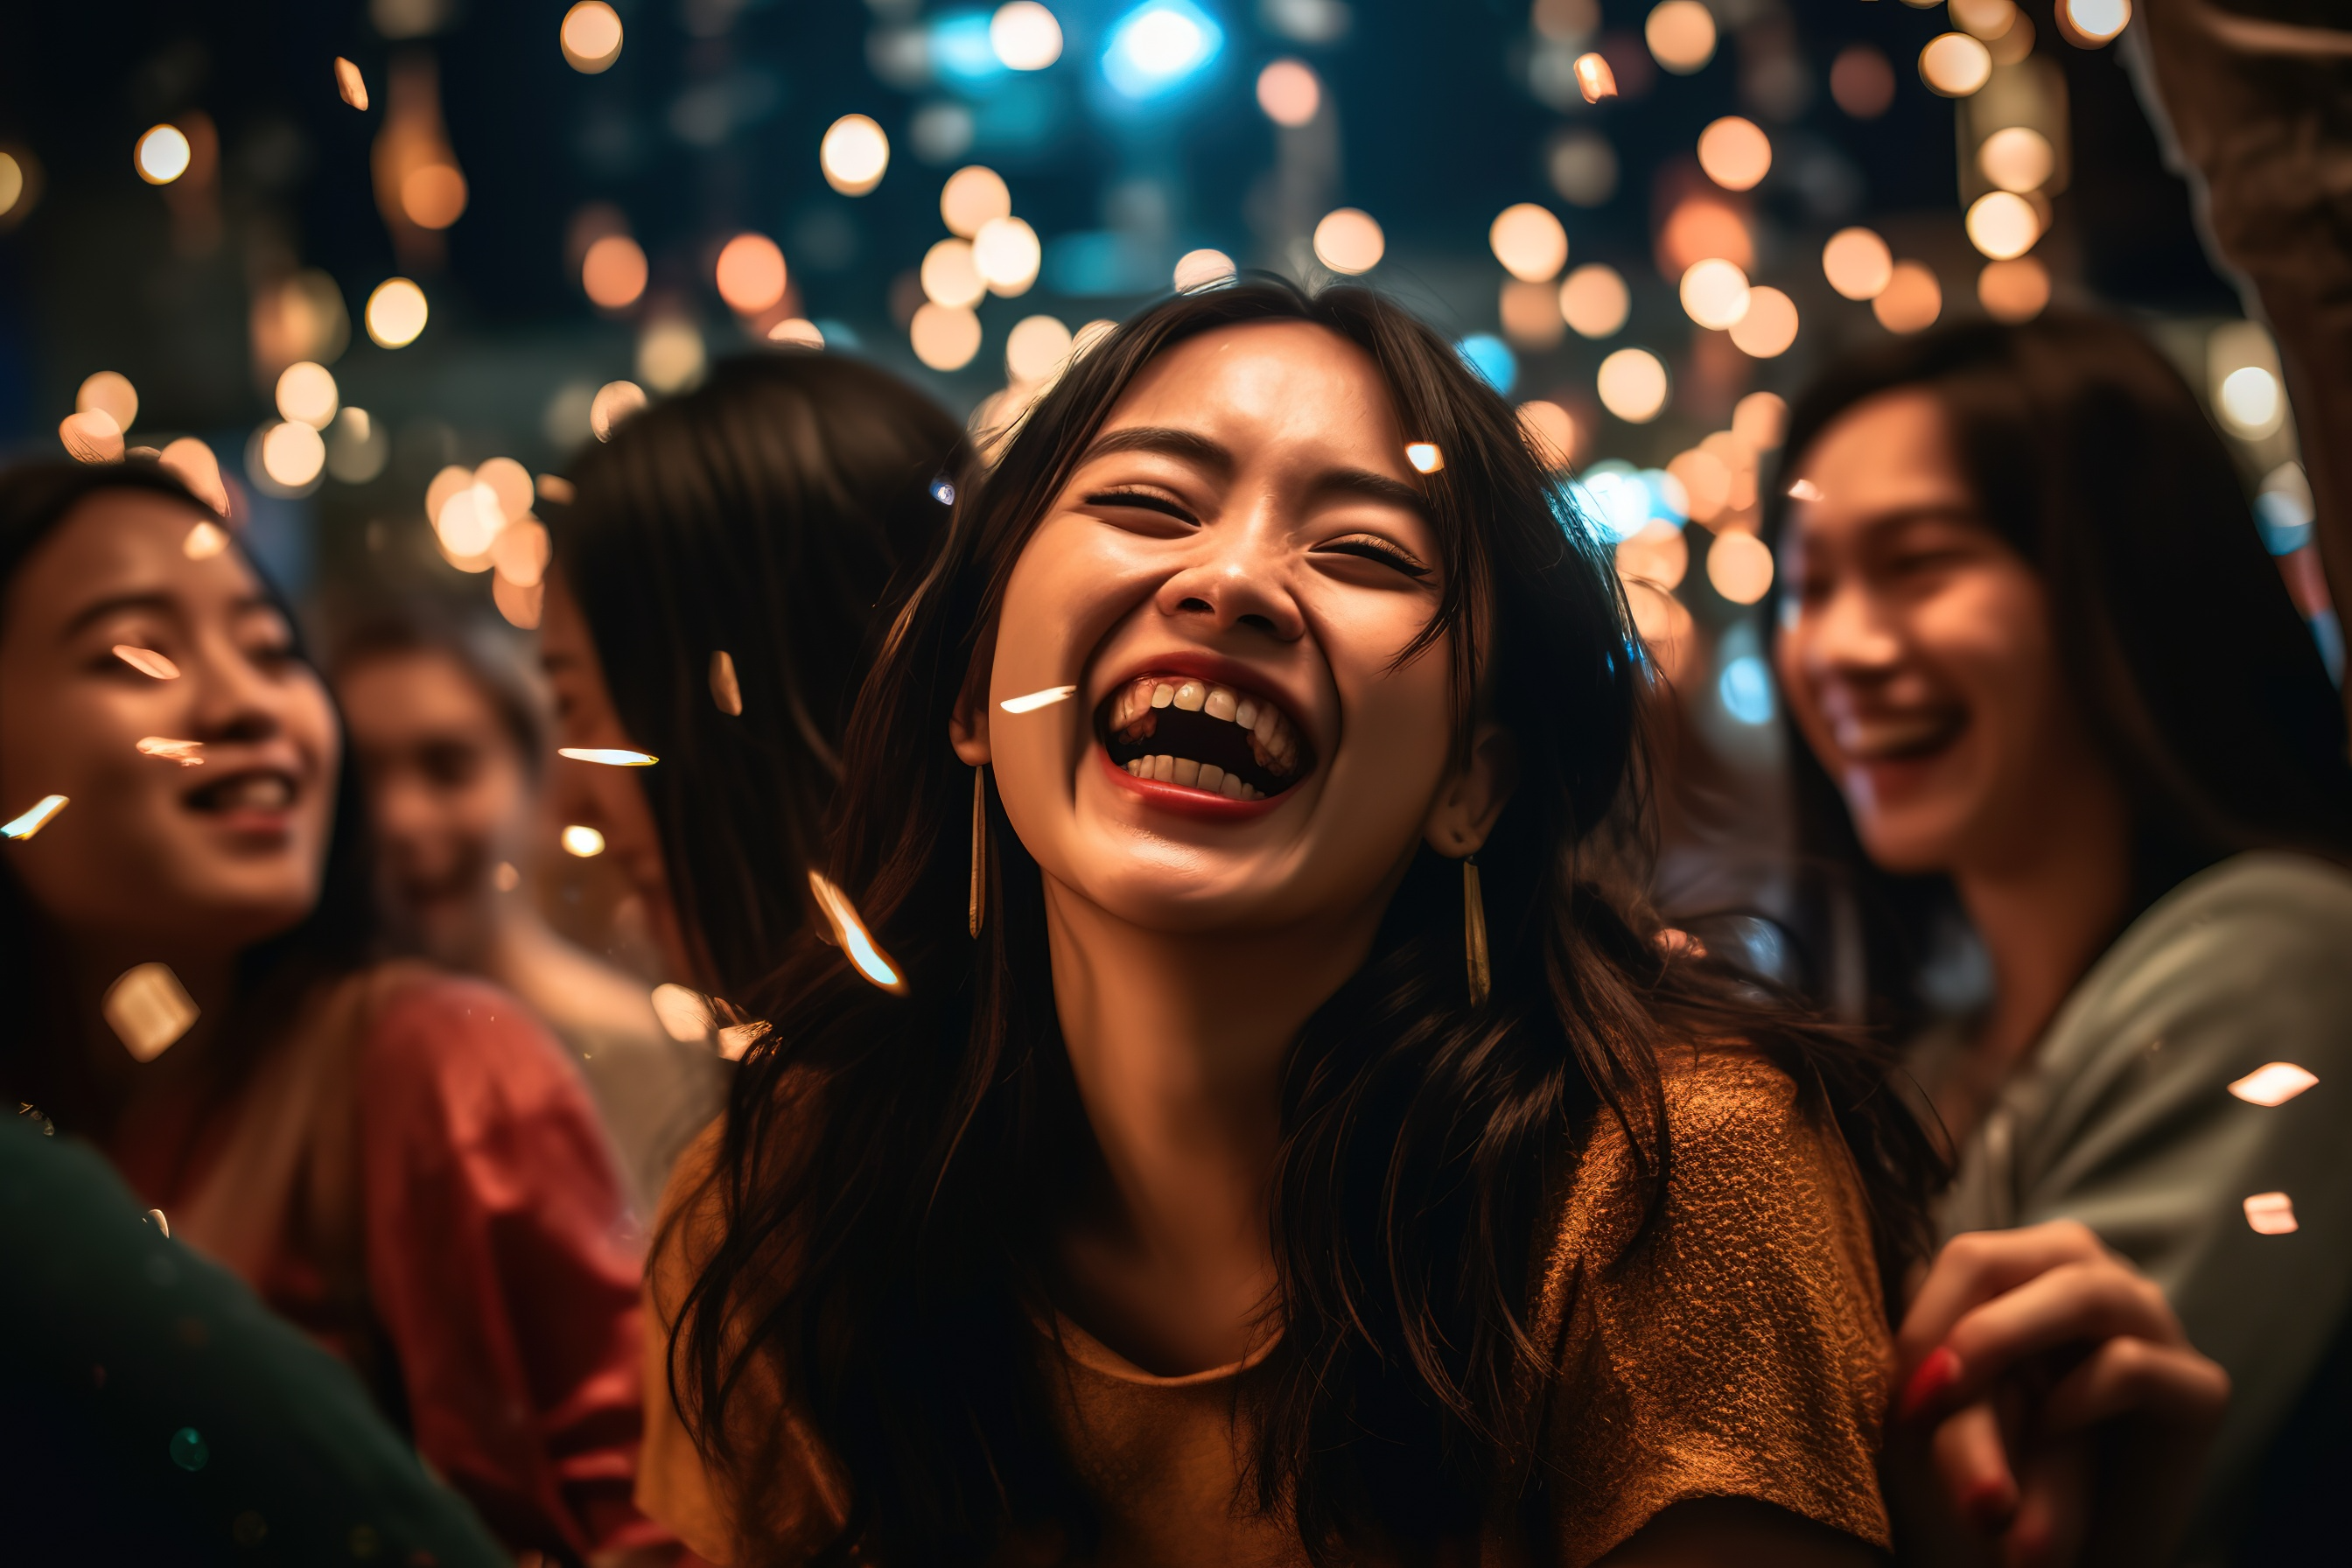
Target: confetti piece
column 608, row 756
column 148, row 1010
column 2271, row 1213
column 1804, row 490
column 849, row 934
column 350, row 84
column 724, row 688
column 1037, row 700
column 685, row 1015
column 2274, row 1083
column 147, row 661
column 187, row 753
column 33, row 821
column 1424, row 457
column 203, row 542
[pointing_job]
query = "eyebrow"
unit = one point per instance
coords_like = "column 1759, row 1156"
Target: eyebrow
column 1369, row 486
column 1197, row 448
column 162, row 603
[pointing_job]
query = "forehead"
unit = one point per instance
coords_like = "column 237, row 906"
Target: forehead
column 412, row 688
column 122, row 544
column 1269, row 384
column 1890, row 453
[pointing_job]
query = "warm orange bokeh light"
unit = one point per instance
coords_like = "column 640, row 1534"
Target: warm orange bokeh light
column 612, row 273
column 1911, row 301
column 432, row 196
column 1735, row 153
column 751, row 274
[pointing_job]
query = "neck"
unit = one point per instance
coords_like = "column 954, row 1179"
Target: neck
column 2045, row 912
column 1177, row 1043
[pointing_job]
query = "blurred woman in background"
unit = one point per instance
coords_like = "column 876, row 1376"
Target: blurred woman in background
column 2062, row 722
column 404, row 1165
column 449, row 730
column 719, row 587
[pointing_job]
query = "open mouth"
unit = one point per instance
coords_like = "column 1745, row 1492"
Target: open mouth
column 258, row 789
column 1199, row 734
column 1894, row 738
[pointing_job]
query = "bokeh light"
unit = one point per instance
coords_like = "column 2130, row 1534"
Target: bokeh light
column 1705, row 480
column 671, row 354
column 612, row 272
column 1201, row 268
column 432, row 196
column 1024, row 36
column 1289, row 92
column 1491, row 358
column 1632, row 386
column 1595, row 300
column 1701, row 226
column 1911, row 301
column 194, row 461
column 1857, row 263
column 509, row 483
column 1768, row 326
column 293, row 455
column 1036, row 348
column 973, row 197
column 2015, row 290
column 1583, row 169
column 1157, row 47
column 1350, row 241
column 2018, row 158
column 944, row 337
column 2002, row 225
column 854, row 154
column 1862, row 81
column 1530, row 313
column 148, row 1010
column 358, row 447
column 111, row 391
column 1739, row 566
column 614, row 402
column 949, row 277
column 751, row 274
column 591, row 37
column 90, row 436
column 2250, row 403
column 1986, row 19
column 1529, row 242
column 1735, row 153
column 307, row 395
column 582, row 840
column 1658, row 556
column 12, row 183
column 1759, row 418
column 1681, row 36
column 2091, row 23
column 161, row 155
column 1006, row 254
column 397, row 313
column 1713, row 293
column 1955, row 65
column 1549, row 432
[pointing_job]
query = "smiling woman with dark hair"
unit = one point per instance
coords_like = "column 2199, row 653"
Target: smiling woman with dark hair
column 402, row 1163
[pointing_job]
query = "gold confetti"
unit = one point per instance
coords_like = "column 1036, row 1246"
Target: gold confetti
column 1037, row 700
column 187, row 753
column 33, row 821
column 608, row 756
column 849, row 934
column 148, row 1010
column 1595, row 79
column 2274, row 1083
column 147, row 661
column 204, row 541
column 1424, row 457
column 350, row 84
column 2271, row 1213
column 724, row 690
column 684, row 1013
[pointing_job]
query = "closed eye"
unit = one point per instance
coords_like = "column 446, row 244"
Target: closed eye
column 1371, row 547
column 1143, row 500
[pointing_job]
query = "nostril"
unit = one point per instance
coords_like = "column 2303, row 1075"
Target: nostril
column 1201, row 606
column 1258, row 623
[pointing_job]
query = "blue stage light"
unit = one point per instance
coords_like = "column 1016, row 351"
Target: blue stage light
column 1157, row 47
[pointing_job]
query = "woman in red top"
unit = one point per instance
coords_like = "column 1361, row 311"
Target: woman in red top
column 403, row 1163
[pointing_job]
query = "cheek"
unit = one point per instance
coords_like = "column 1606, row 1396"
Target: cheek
column 1989, row 641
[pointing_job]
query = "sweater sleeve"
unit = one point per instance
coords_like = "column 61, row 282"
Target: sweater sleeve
column 502, row 1266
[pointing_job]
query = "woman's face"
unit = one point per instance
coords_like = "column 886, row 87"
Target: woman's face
column 1227, row 579
column 200, row 802
column 447, row 791
column 1915, row 648
column 608, row 799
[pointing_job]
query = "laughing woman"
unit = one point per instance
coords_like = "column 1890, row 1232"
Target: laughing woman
column 402, row 1163
column 1244, row 1175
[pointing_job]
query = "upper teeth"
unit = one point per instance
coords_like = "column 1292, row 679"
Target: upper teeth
column 1274, row 742
column 262, row 790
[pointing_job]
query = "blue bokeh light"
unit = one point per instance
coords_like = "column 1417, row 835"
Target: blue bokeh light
column 1157, row 47
column 960, row 51
column 1623, row 500
column 1745, row 688
column 1491, row 358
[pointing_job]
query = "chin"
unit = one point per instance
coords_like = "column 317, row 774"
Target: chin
column 1906, row 847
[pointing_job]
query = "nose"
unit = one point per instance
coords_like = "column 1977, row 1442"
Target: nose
column 1849, row 635
column 1236, row 582
column 234, row 699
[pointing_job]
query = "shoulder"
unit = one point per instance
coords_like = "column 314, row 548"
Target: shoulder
column 465, row 1045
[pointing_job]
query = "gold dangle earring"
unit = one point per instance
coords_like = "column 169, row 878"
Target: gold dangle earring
column 979, row 848
column 1474, row 932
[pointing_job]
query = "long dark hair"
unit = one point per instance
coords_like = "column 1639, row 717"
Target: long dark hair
column 39, row 1061
column 2199, row 681
column 764, row 516
column 893, row 1168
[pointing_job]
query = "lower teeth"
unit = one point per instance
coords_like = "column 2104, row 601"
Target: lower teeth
column 1166, row 769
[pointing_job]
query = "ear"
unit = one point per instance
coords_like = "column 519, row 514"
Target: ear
column 968, row 724
column 1469, row 802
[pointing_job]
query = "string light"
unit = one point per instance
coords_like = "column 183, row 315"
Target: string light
column 1529, row 242
column 1530, row 313
column 854, row 154
column 1705, row 480
column 112, row 392
column 797, row 332
column 397, row 313
column 1289, row 92
column 293, row 455
column 973, row 197
column 1658, row 556
column 1349, row 241
column 591, row 37
column 1595, row 301
column 1735, row 153
column 1632, row 386
column 432, row 196
column 1862, row 81
column 163, row 154
column 671, row 354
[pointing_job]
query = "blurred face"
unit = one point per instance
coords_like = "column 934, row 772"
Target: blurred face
column 1227, row 579
column 449, row 794
column 1915, row 648
column 608, row 799
column 161, row 695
